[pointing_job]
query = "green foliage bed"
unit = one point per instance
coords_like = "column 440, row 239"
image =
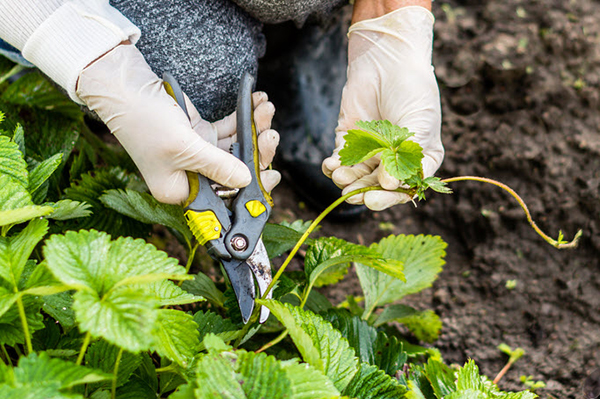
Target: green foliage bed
column 90, row 309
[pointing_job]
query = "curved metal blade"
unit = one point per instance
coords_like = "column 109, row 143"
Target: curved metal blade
column 260, row 265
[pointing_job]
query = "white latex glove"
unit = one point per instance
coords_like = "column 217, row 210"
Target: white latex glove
column 122, row 89
column 390, row 76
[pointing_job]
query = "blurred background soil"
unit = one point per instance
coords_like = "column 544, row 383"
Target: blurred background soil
column 520, row 84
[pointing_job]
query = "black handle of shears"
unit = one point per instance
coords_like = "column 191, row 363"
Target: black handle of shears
column 205, row 212
column 252, row 206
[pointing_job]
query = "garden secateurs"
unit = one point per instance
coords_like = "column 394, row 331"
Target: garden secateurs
column 232, row 234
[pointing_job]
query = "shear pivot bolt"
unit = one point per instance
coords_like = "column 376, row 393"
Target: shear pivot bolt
column 239, row 243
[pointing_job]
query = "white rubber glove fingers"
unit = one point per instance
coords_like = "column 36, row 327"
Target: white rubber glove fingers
column 377, row 200
column 121, row 88
column 270, row 178
column 268, row 141
column 222, row 133
column 346, row 175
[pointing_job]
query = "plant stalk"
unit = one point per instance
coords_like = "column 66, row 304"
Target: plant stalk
column 548, row 239
column 166, row 369
column 191, row 256
column 23, row 317
column 115, row 374
column 274, row 342
column 5, row 352
column 190, row 260
column 502, row 372
column 311, row 228
column 84, row 346
column 15, row 70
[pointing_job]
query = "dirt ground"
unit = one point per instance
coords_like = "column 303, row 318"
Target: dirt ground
column 520, row 84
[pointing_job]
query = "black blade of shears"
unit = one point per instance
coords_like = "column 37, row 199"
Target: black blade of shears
column 242, row 282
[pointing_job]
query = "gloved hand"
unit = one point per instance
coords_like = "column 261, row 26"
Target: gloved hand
column 122, row 89
column 390, row 76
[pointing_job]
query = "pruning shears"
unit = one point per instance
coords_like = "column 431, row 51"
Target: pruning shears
column 232, row 234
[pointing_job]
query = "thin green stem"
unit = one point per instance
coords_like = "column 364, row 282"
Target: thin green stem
column 23, row 317
column 305, row 294
column 191, row 256
column 16, row 69
column 116, row 373
column 557, row 244
column 274, row 342
column 5, row 352
column 4, row 230
column 166, row 369
column 86, row 342
column 190, row 260
column 367, row 313
column 310, row 229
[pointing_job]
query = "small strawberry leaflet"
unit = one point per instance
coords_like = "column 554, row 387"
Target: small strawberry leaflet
column 400, row 156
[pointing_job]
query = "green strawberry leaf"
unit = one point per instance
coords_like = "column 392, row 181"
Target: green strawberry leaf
column 371, row 346
column 90, row 260
column 41, row 173
column 101, row 355
column 16, row 205
column 360, row 145
column 425, row 325
column 387, row 132
column 68, row 209
column 16, row 250
column 124, row 317
column 146, row 209
column 423, row 258
column 176, row 336
column 42, row 369
column 321, row 345
column 12, row 163
column 212, row 323
column 403, row 161
column 328, row 260
column 371, row 383
column 203, row 286
column 118, row 284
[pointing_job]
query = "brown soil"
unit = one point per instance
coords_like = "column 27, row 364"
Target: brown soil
column 520, row 83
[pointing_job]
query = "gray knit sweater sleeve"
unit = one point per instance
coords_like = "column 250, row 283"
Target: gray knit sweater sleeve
column 205, row 44
column 299, row 11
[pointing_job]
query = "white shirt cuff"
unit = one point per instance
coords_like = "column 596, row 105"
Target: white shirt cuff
column 76, row 34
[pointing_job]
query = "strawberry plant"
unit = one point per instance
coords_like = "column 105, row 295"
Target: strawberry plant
column 90, row 308
column 401, row 158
